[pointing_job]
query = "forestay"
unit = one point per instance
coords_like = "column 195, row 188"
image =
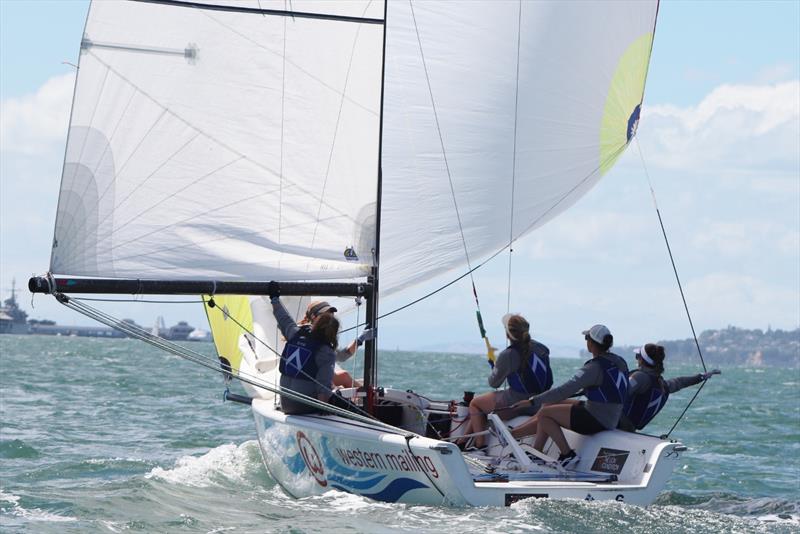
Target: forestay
column 238, row 145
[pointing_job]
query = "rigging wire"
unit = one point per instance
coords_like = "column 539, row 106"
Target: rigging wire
column 212, row 304
column 212, row 363
column 514, row 163
column 489, row 348
column 146, row 301
column 677, row 279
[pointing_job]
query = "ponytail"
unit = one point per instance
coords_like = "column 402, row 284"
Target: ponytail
column 657, row 354
column 608, row 342
column 326, row 329
column 518, row 330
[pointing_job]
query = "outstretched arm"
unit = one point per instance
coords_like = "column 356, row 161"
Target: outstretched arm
column 346, row 353
column 680, row 382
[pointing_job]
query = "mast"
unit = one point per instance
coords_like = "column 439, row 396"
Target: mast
column 371, row 346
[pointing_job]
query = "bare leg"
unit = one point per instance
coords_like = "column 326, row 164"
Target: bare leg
column 527, row 428
column 478, row 408
column 343, row 379
column 551, row 419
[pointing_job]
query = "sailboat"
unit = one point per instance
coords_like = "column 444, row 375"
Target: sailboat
column 348, row 150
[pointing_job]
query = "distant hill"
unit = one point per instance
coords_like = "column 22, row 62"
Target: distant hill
column 736, row 346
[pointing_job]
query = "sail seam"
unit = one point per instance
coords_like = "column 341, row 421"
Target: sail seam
column 226, row 261
column 121, row 169
column 320, row 81
column 441, row 139
column 166, row 111
column 208, row 136
column 259, row 11
column 500, row 250
column 99, row 224
column 106, row 148
column 83, row 145
column 165, row 199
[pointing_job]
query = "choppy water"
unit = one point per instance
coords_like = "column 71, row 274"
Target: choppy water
column 113, row 435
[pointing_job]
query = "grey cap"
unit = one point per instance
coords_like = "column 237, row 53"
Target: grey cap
column 598, row 332
column 318, row 308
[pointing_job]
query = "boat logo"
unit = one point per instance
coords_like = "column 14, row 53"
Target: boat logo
column 610, row 461
column 633, row 123
column 350, row 254
column 312, row 459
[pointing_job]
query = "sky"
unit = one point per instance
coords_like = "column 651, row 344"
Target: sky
column 719, row 137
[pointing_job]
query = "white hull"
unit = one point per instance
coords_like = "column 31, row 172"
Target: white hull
column 313, row 454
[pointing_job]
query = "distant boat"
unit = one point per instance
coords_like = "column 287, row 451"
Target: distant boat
column 13, row 320
column 199, row 335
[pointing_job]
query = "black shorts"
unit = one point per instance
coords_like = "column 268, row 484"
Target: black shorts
column 582, row 422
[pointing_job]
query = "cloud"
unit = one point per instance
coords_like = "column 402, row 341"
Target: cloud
column 778, row 72
column 576, row 232
column 734, row 128
column 743, row 238
column 33, row 123
column 742, row 300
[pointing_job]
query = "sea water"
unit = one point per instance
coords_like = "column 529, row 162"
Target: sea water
column 116, row 436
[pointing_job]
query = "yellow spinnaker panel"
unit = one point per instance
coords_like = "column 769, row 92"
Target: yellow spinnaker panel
column 621, row 112
column 225, row 329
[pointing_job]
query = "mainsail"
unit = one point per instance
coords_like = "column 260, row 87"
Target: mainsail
column 208, row 143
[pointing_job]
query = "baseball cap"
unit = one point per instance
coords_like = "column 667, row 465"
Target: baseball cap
column 598, row 332
column 319, row 307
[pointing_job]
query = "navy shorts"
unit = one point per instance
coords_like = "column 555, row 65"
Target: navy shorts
column 582, row 422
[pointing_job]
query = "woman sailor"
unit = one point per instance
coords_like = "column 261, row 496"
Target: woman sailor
column 648, row 391
column 604, row 382
column 308, row 358
column 341, row 378
column 525, row 365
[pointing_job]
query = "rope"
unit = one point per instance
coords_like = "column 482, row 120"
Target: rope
column 489, row 349
column 677, row 279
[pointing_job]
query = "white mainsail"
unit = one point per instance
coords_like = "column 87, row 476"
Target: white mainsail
column 212, row 144
column 236, row 145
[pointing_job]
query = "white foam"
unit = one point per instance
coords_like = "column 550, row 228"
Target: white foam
column 784, row 519
column 229, row 461
column 35, row 514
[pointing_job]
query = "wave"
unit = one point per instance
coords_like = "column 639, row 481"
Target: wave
column 221, row 465
column 16, row 448
column 10, row 506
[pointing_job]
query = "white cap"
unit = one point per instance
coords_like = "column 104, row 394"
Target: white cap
column 507, row 317
column 598, row 332
column 642, row 353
